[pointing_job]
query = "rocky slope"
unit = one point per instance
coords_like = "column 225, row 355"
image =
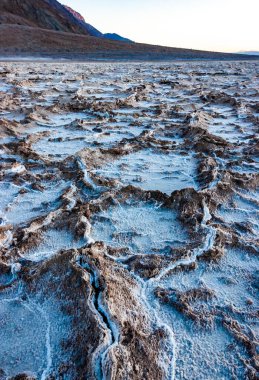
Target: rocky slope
column 46, row 14
column 111, row 36
column 75, row 13
column 23, row 41
column 116, row 37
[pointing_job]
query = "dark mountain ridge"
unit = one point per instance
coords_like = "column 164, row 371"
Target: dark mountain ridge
column 110, row 36
column 116, row 37
column 46, row 14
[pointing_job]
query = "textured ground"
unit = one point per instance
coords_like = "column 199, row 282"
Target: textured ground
column 26, row 41
column 129, row 221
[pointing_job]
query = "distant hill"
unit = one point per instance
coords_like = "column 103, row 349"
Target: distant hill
column 111, row 36
column 116, row 37
column 45, row 28
column 46, row 14
column 249, row 52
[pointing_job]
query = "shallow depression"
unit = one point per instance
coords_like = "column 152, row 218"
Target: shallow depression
column 153, row 171
column 24, row 335
column 53, row 241
column 228, row 281
column 142, row 227
column 33, row 203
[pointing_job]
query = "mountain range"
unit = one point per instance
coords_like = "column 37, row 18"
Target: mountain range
column 249, row 52
column 46, row 28
column 94, row 31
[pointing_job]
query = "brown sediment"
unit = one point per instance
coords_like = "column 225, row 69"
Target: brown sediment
column 183, row 301
column 70, row 286
column 139, row 342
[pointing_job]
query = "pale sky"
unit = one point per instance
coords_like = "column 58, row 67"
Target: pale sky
column 222, row 25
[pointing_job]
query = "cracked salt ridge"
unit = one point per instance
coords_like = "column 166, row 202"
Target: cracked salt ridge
column 142, row 227
column 187, row 360
column 153, row 171
column 229, row 129
column 242, row 168
column 170, row 137
column 246, row 167
column 12, row 116
column 60, row 120
column 168, row 359
column 233, row 128
column 169, row 351
column 109, row 325
column 72, row 141
column 149, row 285
column 214, row 342
column 206, row 246
column 243, row 211
column 107, row 92
column 230, row 280
column 58, row 123
column 8, row 192
column 139, row 107
column 202, row 355
column 51, row 148
column 34, row 86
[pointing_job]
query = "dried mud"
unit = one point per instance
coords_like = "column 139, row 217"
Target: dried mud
column 129, row 221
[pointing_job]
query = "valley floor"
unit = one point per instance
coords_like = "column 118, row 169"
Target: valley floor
column 129, row 220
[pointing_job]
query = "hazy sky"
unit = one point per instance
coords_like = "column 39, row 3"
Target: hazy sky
column 220, row 25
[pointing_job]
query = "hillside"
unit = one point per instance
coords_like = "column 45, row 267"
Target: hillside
column 75, row 13
column 116, row 37
column 46, row 28
column 46, row 14
column 110, row 36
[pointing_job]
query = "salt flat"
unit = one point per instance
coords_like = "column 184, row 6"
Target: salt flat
column 129, row 220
